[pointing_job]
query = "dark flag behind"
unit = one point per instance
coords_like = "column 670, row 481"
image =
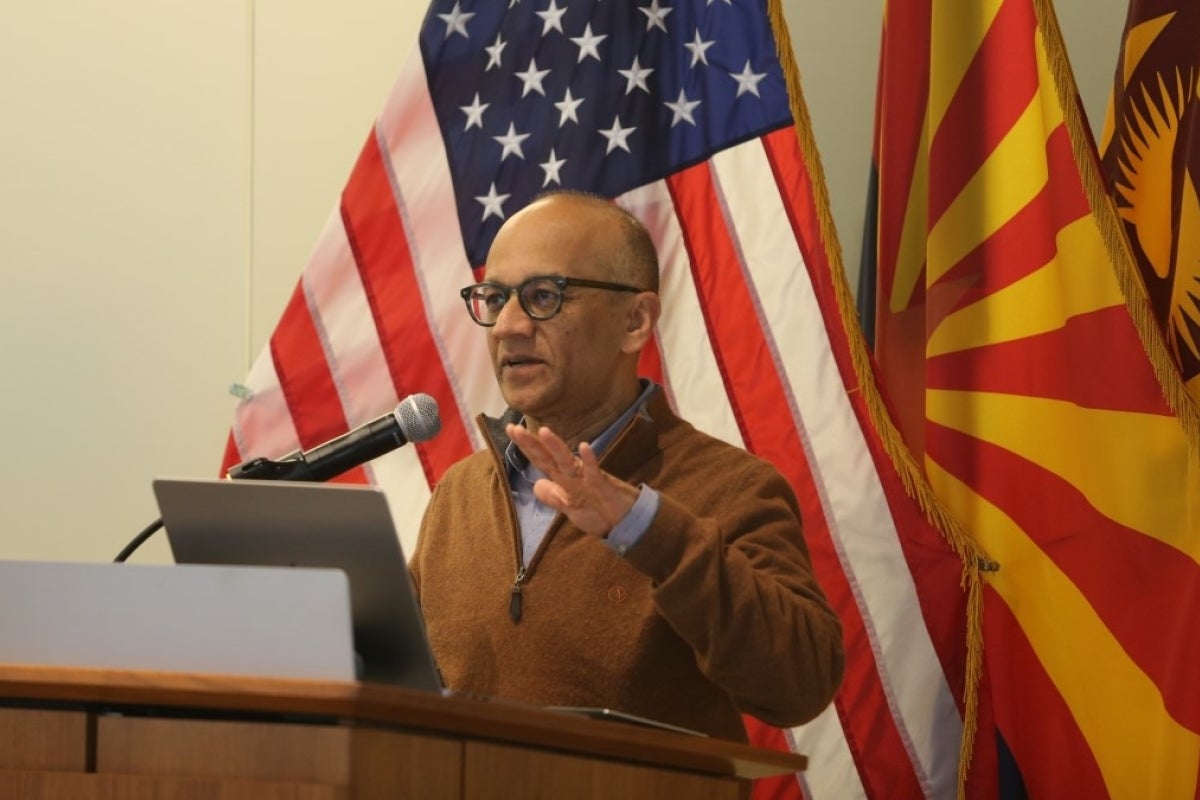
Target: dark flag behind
column 1151, row 154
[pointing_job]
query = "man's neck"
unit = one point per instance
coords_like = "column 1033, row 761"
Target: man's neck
column 586, row 427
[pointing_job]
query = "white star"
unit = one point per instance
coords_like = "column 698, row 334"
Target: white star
column 512, row 143
column 474, row 113
column 617, row 136
column 636, row 75
column 532, row 78
column 492, row 203
column 567, row 107
column 495, row 50
column 698, row 47
column 552, row 17
column 551, row 166
column 656, row 16
column 588, row 44
column 456, row 21
column 682, row 109
column 748, row 80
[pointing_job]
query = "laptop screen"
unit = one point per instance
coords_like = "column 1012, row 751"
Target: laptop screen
column 284, row 524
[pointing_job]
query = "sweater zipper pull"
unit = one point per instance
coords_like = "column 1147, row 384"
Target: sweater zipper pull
column 514, row 600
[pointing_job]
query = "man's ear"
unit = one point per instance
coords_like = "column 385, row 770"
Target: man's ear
column 639, row 325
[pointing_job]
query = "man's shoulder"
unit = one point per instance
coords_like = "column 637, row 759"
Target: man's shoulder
column 468, row 467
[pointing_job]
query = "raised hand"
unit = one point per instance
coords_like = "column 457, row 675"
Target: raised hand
column 574, row 485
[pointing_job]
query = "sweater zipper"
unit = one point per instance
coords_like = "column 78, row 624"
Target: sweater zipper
column 514, row 600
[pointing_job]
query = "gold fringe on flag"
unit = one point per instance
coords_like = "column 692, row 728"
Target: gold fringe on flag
column 1112, row 231
column 974, row 560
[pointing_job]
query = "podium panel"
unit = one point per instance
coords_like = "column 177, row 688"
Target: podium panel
column 498, row 772
column 202, row 748
column 80, row 786
column 117, row 734
column 41, row 739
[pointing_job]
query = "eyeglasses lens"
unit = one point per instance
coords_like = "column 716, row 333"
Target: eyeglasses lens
column 541, row 298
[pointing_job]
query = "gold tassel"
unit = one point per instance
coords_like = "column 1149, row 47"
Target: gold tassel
column 974, row 560
column 1116, row 244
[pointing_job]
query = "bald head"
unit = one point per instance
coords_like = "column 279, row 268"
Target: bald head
column 616, row 241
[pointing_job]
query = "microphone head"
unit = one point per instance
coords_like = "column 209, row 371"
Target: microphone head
column 418, row 417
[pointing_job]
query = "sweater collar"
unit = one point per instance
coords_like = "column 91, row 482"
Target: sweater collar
column 630, row 447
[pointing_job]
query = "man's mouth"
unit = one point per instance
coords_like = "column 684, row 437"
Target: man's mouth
column 519, row 361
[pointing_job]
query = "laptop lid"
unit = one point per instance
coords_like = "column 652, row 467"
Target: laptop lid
column 284, row 524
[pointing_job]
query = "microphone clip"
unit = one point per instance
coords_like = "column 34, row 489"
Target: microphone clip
column 264, row 469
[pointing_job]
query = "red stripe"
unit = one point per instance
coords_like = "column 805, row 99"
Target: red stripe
column 903, row 95
column 1096, row 554
column 901, row 101
column 650, row 363
column 1054, row 758
column 754, row 390
column 307, row 385
column 304, row 376
column 1025, row 243
column 306, row 382
column 1048, row 365
column 778, row 787
column 996, row 88
column 232, row 456
column 377, row 238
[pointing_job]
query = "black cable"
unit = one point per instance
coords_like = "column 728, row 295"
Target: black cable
column 137, row 541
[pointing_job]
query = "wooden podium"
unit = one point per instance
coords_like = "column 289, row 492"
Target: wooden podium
column 108, row 734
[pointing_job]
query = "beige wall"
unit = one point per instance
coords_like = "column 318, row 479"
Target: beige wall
column 165, row 168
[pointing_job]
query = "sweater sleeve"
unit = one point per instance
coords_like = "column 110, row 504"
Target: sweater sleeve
column 737, row 585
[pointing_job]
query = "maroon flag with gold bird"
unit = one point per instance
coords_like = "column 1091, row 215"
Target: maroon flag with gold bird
column 1151, row 152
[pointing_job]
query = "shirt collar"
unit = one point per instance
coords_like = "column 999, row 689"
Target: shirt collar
column 517, row 461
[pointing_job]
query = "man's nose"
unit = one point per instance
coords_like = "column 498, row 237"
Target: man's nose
column 512, row 319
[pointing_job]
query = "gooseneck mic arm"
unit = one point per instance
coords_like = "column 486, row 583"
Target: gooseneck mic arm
column 136, row 542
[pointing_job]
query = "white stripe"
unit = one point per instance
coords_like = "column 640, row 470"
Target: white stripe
column 688, row 357
column 262, row 425
column 343, row 319
column 425, row 194
column 831, row 771
column 858, row 515
column 776, row 253
column 402, row 478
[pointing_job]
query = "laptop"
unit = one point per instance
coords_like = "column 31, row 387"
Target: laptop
column 284, row 524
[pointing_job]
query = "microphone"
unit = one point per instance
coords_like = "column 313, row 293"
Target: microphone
column 415, row 419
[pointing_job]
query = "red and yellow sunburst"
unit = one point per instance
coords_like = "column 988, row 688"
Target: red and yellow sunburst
column 1044, row 424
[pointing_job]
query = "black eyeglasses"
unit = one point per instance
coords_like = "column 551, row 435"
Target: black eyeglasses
column 540, row 297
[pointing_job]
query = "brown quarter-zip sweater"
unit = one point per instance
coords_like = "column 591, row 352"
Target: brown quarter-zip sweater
column 714, row 612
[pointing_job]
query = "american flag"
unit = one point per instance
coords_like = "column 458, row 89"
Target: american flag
column 683, row 113
column 608, row 97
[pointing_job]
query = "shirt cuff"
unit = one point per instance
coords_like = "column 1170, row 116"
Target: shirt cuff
column 633, row 525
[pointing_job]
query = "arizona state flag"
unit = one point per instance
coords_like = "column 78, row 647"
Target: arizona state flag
column 1151, row 150
column 1017, row 344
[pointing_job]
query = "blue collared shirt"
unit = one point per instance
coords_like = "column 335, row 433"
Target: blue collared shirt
column 534, row 517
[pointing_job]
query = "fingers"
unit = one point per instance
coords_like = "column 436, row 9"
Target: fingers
column 574, row 484
column 549, row 453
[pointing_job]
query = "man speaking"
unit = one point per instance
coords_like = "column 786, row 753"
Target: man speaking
column 601, row 551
